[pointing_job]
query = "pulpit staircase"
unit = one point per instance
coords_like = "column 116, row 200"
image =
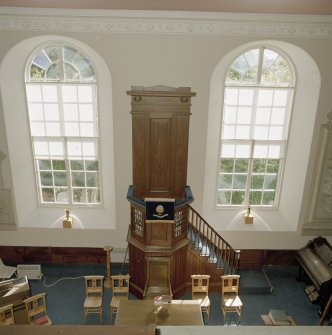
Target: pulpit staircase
column 209, row 252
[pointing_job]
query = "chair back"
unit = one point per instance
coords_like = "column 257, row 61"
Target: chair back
column 230, row 284
column 199, row 285
column 94, row 285
column 120, row 285
column 36, row 309
column 7, row 315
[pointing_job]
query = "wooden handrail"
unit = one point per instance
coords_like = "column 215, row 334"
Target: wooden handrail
column 218, row 247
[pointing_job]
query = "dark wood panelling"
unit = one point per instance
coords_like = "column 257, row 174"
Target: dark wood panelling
column 158, row 170
column 49, row 255
column 164, row 150
column 252, row 259
column 21, row 254
column 138, row 140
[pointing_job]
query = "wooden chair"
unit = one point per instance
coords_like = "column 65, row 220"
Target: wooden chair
column 200, row 292
column 94, row 289
column 230, row 300
column 36, row 310
column 7, row 315
column 120, row 291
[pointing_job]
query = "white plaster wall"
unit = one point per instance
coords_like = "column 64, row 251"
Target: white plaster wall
column 127, row 59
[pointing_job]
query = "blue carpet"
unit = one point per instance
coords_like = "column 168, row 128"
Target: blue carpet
column 64, row 286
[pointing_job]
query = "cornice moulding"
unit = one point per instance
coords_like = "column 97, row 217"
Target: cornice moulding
column 159, row 22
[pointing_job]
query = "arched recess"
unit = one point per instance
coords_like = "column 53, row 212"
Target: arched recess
column 286, row 216
column 28, row 212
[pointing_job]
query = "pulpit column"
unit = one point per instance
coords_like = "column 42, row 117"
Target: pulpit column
column 107, row 282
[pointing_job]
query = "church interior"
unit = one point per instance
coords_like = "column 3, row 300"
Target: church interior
column 165, row 153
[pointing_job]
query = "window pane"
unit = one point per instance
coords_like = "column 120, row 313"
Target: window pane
column 77, row 165
column 78, row 179
column 265, row 97
column 52, row 53
column 92, row 165
column 47, row 194
column 231, row 96
column 74, row 149
column 59, row 165
column 240, row 181
column 261, row 133
column 46, row 178
column 280, row 98
column 257, row 182
column 268, row 198
column 49, row 93
column 255, row 198
column 246, row 97
column 53, row 72
column 244, row 115
column 56, row 149
column 270, row 182
column 87, row 129
column 60, row 179
column 274, row 151
column 263, row 115
column 237, row 198
column 34, row 93
column 36, row 72
column 228, row 132
column 241, row 165
column 224, row 197
column 37, row 129
column 86, row 112
column 92, row 179
column 275, row 133
column 52, row 129
column 85, row 94
column 242, row 151
column 78, row 195
column 226, row 165
column 242, row 132
column 229, row 114
column 69, row 93
column 272, row 166
column 72, row 129
column 258, row 165
column 225, row 181
column 93, row 196
column 278, row 116
column 70, row 112
column 44, row 164
column 51, row 112
column 71, row 72
column 260, row 151
column 62, row 195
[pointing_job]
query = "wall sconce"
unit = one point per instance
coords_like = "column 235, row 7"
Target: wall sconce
column 248, row 217
column 68, row 221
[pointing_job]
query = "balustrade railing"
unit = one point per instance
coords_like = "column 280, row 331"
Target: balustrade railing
column 211, row 244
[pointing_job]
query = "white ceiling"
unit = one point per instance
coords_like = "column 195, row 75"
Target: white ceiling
column 319, row 7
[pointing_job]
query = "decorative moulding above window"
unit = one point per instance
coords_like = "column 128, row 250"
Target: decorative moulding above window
column 163, row 22
column 319, row 213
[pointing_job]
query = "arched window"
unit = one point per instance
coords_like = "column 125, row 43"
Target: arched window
column 258, row 95
column 61, row 89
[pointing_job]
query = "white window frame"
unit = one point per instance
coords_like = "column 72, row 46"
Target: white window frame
column 251, row 141
column 60, row 83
